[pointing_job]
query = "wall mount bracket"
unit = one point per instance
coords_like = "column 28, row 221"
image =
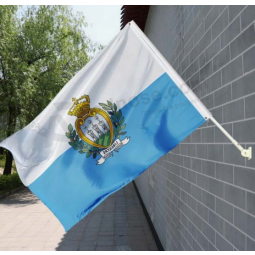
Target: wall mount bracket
column 247, row 153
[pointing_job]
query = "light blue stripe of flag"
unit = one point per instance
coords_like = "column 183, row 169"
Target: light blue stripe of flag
column 157, row 120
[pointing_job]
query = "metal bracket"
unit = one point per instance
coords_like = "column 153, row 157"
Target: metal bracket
column 247, row 153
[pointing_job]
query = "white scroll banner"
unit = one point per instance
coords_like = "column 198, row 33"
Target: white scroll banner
column 115, row 146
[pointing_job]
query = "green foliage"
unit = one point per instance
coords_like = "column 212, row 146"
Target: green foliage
column 116, row 117
column 104, row 139
column 41, row 49
column 9, row 182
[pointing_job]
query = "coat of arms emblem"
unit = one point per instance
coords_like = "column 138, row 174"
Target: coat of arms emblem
column 97, row 131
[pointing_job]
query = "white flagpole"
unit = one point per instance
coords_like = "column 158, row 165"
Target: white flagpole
column 247, row 153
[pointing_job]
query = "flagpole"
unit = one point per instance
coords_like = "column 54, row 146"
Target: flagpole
column 247, row 153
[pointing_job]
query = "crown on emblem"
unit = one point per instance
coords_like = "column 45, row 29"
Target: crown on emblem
column 80, row 107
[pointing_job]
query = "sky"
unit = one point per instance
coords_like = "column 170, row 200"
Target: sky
column 103, row 21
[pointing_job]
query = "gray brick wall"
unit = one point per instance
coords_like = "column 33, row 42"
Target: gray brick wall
column 201, row 195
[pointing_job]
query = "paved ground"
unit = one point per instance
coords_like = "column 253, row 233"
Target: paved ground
column 117, row 224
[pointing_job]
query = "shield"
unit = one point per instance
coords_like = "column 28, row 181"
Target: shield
column 95, row 128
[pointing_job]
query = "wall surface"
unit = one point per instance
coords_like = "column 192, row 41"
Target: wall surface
column 201, row 195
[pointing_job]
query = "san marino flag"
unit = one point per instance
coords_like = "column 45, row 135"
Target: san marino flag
column 114, row 119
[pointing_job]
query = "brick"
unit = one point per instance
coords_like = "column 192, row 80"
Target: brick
column 208, row 200
column 249, row 60
column 208, row 101
column 192, row 150
column 221, row 59
column 233, row 111
column 205, row 41
column 235, row 196
column 196, row 246
column 244, row 86
column 202, row 181
column 220, row 24
column 215, row 152
column 216, row 187
column 208, row 135
column 224, row 172
column 192, row 203
column 250, row 106
column 216, row 222
column 203, row 13
column 183, row 149
column 244, row 177
column 212, row 16
column 208, row 231
column 230, row 32
column 194, row 80
column 214, row 82
column 185, row 63
column 225, row 210
column 244, row 222
column 232, row 71
column 197, row 9
column 202, row 60
column 194, row 53
column 245, row 40
column 212, row 50
column 203, row 242
column 251, row 203
column 186, row 186
column 188, row 47
column 232, row 155
column 208, row 168
column 222, row 8
column 250, row 244
column 192, row 229
column 248, row 16
column 222, row 95
column 196, row 192
column 196, row 136
column 203, row 88
column 219, row 136
column 235, row 237
column 184, row 173
column 196, row 164
column 192, row 176
column 222, row 244
column 243, row 131
column 187, row 162
column 202, row 211
column 199, row 33
column 188, row 21
column 234, row 10
column 206, row 71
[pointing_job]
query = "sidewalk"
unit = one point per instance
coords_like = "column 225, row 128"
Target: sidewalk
column 116, row 224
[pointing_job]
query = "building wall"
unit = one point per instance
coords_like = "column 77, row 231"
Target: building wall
column 201, row 195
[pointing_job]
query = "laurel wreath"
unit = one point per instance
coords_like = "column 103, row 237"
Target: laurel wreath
column 118, row 123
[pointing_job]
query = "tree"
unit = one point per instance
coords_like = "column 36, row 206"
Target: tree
column 41, row 49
